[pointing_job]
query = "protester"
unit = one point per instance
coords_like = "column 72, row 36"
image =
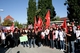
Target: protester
column 78, row 35
column 61, row 38
column 10, row 38
column 2, row 37
column 33, row 35
column 29, row 36
column 39, row 38
column 46, row 37
column 77, row 43
column 43, row 37
column 71, row 38
column 52, row 37
column 74, row 28
column 56, row 38
column 16, row 37
column 26, row 41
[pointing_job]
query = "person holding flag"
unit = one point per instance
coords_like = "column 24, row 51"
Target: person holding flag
column 47, row 24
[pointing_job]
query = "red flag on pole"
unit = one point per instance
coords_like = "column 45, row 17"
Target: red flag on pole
column 64, row 25
column 40, row 23
column 47, row 18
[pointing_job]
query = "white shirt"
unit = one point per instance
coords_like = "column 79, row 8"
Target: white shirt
column 0, row 33
column 43, row 34
column 26, row 31
column 3, row 36
column 61, row 35
column 46, row 31
column 56, row 34
column 78, row 34
column 74, row 29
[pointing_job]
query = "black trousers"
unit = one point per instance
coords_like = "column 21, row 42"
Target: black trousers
column 16, row 42
column 46, row 40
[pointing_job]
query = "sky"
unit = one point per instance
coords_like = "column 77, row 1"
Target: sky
column 17, row 9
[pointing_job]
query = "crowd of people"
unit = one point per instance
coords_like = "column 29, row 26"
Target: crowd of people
column 53, row 37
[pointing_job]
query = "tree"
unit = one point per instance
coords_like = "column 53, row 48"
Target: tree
column 56, row 18
column 20, row 26
column 46, row 5
column 31, row 11
column 73, row 7
column 17, row 24
column 7, row 23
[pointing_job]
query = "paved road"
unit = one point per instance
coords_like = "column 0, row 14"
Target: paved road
column 21, row 49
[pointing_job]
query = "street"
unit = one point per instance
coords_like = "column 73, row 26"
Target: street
column 21, row 49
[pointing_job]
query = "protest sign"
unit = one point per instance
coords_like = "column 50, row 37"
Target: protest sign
column 23, row 38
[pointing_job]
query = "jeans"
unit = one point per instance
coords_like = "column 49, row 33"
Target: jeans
column 32, row 41
column 77, row 40
column 24, row 43
column 51, row 43
column 29, row 41
column 62, row 45
column 46, row 40
column 39, row 44
column 72, row 46
column 56, row 42
column 16, row 42
column 43, row 42
column 3, row 42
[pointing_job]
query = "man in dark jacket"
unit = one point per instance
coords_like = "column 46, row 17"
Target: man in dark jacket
column 16, row 37
column 33, row 35
column 71, row 38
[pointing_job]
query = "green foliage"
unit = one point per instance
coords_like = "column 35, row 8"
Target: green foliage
column 46, row 5
column 31, row 11
column 40, row 10
column 20, row 26
column 17, row 24
column 7, row 23
column 56, row 18
column 73, row 7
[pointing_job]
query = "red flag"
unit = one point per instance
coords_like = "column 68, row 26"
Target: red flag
column 35, row 24
column 64, row 25
column 47, row 18
column 40, row 23
column 12, row 27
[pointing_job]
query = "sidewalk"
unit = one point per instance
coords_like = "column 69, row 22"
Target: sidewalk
column 21, row 49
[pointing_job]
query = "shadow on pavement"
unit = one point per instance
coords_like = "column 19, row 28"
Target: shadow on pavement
column 3, row 50
column 18, row 51
column 78, row 51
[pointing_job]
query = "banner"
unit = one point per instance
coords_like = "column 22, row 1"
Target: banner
column 23, row 38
